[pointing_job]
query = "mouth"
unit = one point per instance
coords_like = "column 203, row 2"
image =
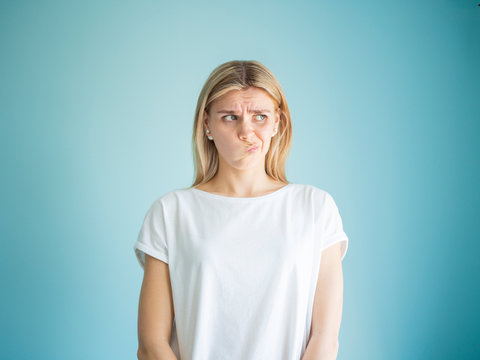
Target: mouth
column 253, row 148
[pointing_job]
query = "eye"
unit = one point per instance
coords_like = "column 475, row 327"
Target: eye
column 263, row 118
column 225, row 117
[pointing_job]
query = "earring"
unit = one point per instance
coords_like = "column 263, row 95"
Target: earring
column 275, row 131
column 209, row 136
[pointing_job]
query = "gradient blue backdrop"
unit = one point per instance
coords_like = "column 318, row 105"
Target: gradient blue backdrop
column 97, row 103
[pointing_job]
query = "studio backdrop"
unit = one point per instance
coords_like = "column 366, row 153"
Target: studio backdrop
column 96, row 117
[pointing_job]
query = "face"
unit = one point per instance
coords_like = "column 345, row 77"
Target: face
column 242, row 123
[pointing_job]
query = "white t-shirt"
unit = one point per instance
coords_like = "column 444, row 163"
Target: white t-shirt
column 243, row 270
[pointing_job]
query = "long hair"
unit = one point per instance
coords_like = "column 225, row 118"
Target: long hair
column 239, row 75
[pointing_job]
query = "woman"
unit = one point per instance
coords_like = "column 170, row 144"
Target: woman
column 243, row 264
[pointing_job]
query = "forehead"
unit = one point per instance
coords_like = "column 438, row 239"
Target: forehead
column 246, row 98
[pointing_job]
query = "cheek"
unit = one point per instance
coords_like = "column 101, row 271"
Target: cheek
column 264, row 137
column 225, row 141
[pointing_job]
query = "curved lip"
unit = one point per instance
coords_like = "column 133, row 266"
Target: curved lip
column 252, row 145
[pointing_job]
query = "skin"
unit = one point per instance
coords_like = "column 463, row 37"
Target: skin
column 327, row 307
column 241, row 173
column 155, row 312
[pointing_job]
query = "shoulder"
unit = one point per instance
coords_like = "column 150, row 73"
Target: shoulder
column 169, row 199
column 318, row 200
column 316, row 194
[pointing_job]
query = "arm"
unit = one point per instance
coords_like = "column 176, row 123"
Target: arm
column 155, row 312
column 327, row 308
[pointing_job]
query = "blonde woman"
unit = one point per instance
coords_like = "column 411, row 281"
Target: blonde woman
column 242, row 265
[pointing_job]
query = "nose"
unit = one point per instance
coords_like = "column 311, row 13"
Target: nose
column 246, row 131
column 247, row 134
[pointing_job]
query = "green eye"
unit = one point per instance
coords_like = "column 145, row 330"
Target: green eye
column 264, row 116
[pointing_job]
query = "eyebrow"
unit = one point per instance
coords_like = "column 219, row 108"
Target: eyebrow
column 255, row 111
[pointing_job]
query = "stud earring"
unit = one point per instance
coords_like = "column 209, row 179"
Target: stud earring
column 209, row 136
column 275, row 131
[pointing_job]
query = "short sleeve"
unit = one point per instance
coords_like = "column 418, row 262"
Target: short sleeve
column 151, row 239
column 330, row 225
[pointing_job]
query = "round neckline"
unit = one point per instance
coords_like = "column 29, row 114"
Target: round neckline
column 235, row 198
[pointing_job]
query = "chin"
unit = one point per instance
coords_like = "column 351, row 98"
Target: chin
column 247, row 164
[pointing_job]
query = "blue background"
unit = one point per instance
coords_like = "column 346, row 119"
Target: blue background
column 96, row 109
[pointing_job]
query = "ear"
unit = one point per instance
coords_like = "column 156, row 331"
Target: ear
column 277, row 117
column 205, row 118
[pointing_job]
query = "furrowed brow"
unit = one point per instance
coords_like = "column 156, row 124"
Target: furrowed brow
column 253, row 111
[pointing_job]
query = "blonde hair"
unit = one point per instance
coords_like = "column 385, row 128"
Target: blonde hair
column 239, row 75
